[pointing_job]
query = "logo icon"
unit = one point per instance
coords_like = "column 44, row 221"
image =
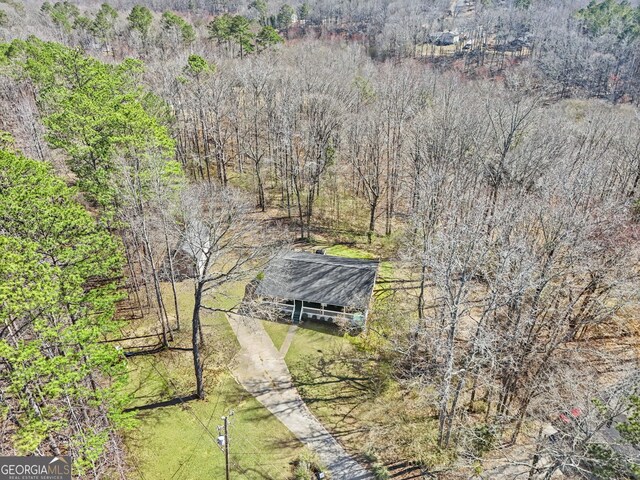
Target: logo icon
column 35, row 468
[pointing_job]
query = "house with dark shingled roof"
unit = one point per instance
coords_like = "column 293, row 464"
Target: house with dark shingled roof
column 319, row 287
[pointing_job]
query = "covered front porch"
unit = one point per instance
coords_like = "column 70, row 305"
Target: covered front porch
column 299, row 310
column 306, row 286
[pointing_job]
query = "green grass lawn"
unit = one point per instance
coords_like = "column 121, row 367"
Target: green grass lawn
column 386, row 269
column 358, row 402
column 313, row 339
column 168, row 438
column 277, row 331
column 348, row 251
column 214, row 324
column 335, row 392
column 170, row 442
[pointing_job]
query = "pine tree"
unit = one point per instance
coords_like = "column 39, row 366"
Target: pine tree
column 140, row 20
column 58, row 290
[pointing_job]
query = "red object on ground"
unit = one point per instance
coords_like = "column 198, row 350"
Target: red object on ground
column 575, row 413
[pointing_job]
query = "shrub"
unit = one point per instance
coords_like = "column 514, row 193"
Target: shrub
column 484, row 439
column 307, row 467
column 380, row 472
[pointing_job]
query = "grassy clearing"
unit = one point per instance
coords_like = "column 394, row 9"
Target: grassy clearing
column 277, row 332
column 168, row 438
column 169, row 442
column 354, row 397
column 313, row 340
column 214, row 324
column 350, row 252
column 336, row 393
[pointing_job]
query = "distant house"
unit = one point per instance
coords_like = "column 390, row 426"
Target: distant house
column 319, row 287
column 445, row 38
column 603, row 435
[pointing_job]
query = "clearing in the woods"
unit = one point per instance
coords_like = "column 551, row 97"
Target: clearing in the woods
column 170, row 439
column 175, row 434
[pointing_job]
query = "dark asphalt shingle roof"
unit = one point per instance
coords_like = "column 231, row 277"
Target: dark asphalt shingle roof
column 320, row 279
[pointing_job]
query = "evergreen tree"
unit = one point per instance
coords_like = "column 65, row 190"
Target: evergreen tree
column 285, row 17
column 260, row 7
column 93, row 111
column 58, row 290
column 266, row 37
column 220, row 28
column 197, row 66
column 172, row 23
column 103, row 25
column 83, row 23
column 63, row 14
column 240, row 32
column 140, row 20
column 303, row 11
column 611, row 17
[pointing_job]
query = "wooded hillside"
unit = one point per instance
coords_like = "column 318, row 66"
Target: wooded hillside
column 154, row 160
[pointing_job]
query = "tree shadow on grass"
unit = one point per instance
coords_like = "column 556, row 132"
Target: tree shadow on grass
column 165, row 403
column 256, row 473
column 407, row 471
column 322, row 327
column 339, row 382
column 261, row 468
column 337, row 378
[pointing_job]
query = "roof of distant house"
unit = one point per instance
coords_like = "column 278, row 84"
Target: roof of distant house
column 317, row 278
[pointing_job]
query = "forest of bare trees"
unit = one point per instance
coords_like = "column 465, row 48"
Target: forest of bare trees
column 500, row 178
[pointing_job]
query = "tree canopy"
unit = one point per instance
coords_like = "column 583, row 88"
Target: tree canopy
column 609, row 16
column 58, row 290
column 140, row 19
column 104, row 23
column 92, row 110
column 174, row 23
column 63, row 14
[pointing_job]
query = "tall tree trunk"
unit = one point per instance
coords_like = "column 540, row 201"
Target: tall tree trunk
column 300, row 213
column 195, row 333
column 164, row 321
column 372, row 219
column 446, row 382
column 171, row 273
column 261, row 199
column 421, row 299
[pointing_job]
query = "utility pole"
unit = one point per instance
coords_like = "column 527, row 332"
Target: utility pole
column 226, row 445
column 223, row 440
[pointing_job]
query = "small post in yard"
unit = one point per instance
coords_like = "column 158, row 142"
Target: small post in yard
column 226, row 445
column 223, row 440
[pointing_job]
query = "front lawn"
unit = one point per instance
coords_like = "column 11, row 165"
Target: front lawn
column 353, row 395
column 336, row 391
column 170, row 440
column 277, row 331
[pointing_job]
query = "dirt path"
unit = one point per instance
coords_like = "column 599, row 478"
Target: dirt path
column 261, row 369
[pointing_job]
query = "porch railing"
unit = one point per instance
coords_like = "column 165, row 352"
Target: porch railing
column 320, row 313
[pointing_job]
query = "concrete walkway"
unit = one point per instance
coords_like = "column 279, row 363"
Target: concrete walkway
column 284, row 348
column 260, row 368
